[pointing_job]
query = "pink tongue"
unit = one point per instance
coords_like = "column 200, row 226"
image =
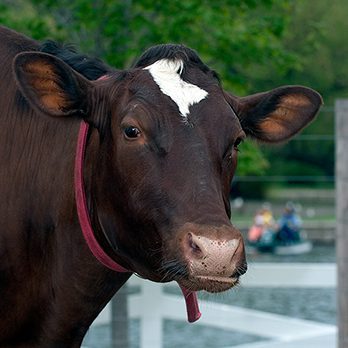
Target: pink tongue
column 193, row 313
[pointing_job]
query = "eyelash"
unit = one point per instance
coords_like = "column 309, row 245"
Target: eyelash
column 237, row 143
column 235, row 147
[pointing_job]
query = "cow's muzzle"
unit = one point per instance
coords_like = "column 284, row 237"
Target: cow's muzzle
column 214, row 257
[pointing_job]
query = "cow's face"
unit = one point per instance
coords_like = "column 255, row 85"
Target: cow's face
column 174, row 163
column 164, row 150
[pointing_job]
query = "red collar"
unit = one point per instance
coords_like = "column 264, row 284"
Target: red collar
column 192, row 308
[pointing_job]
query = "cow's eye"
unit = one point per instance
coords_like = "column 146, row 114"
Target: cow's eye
column 131, row 132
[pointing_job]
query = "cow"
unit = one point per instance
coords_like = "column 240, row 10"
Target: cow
column 106, row 172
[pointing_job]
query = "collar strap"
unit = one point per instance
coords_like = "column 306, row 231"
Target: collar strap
column 191, row 301
column 81, row 204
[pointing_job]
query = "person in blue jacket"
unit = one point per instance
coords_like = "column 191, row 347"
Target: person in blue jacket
column 289, row 225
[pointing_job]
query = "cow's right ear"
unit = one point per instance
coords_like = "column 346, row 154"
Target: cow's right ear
column 50, row 85
column 277, row 115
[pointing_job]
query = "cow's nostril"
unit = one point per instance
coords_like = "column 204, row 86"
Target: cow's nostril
column 193, row 242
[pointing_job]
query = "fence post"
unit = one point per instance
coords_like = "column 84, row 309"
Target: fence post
column 341, row 111
column 119, row 319
column 151, row 324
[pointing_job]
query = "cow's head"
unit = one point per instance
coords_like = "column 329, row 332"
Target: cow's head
column 162, row 154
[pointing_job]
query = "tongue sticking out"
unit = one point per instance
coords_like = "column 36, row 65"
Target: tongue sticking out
column 193, row 313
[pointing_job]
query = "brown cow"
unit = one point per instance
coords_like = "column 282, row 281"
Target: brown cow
column 161, row 151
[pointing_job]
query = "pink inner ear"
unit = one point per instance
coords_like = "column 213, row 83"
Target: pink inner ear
column 293, row 112
column 38, row 83
column 273, row 127
column 295, row 101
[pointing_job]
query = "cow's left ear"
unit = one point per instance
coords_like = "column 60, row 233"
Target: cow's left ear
column 50, row 85
column 276, row 115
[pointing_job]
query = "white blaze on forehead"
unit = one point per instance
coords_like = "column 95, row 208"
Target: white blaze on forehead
column 166, row 73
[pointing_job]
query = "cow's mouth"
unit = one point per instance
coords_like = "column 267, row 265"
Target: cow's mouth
column 211, row 284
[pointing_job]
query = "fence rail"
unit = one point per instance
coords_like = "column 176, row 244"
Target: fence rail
column 152, row 305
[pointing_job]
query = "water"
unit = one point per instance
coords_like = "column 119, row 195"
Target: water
column 176, row 334
column 319, row 253
column 311, row 304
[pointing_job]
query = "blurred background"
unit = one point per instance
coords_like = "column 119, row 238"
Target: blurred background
column 254, row 45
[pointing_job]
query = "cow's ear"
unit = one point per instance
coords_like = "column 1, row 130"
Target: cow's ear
column 276, row 115
column 50, row 85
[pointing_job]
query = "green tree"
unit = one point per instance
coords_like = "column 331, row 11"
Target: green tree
column 317, row 34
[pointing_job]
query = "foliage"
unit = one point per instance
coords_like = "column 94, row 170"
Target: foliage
column 317, row 34
column 249, row 154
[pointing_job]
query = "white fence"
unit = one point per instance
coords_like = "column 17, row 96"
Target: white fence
column 152, row 306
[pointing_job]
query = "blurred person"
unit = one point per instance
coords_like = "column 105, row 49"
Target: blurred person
column 256, row 230
column 289, row 225
column 263, row 227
